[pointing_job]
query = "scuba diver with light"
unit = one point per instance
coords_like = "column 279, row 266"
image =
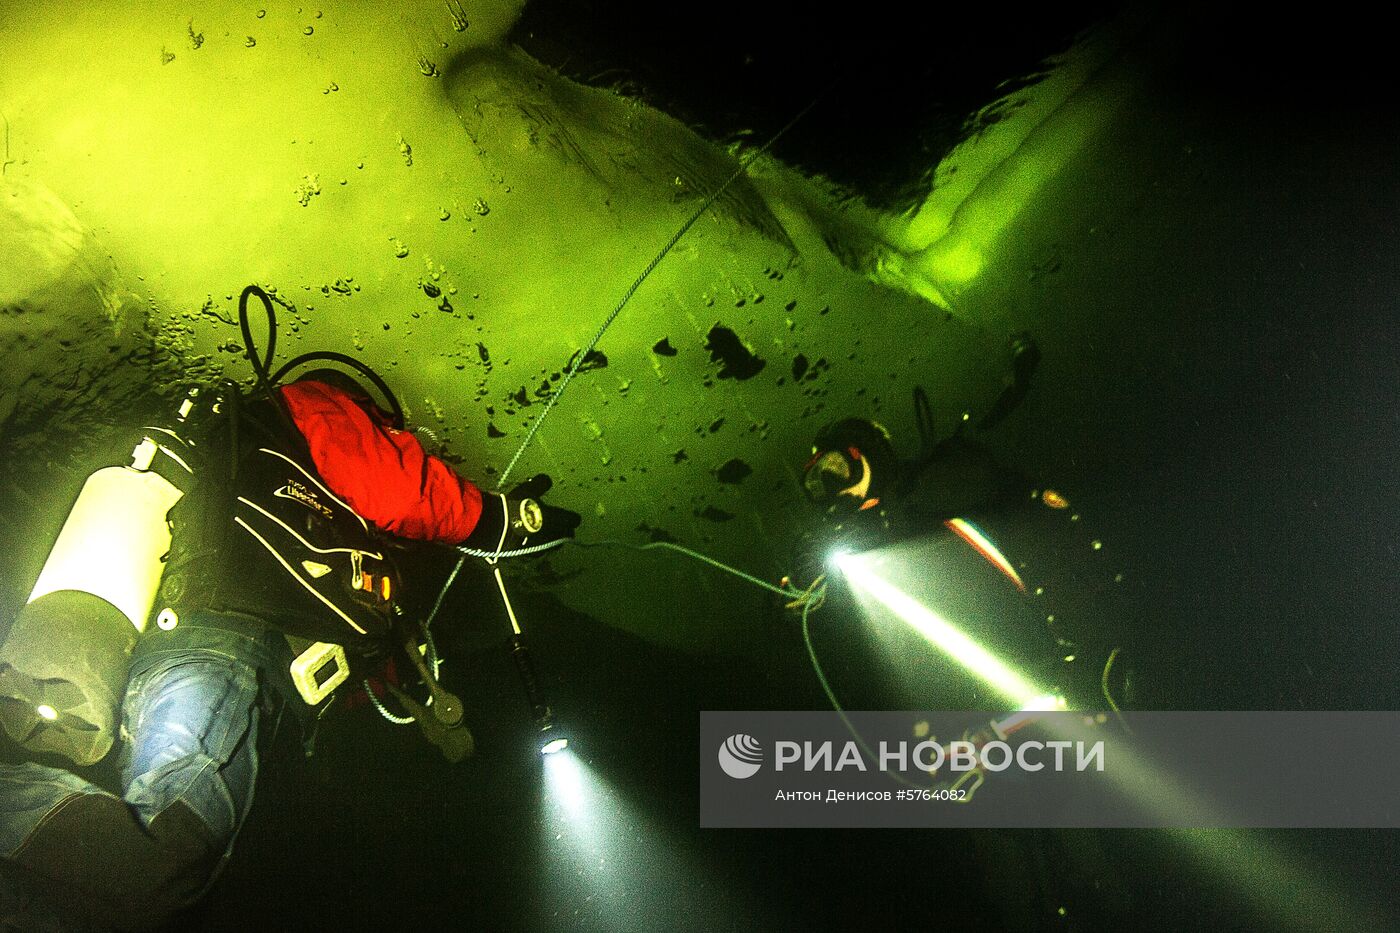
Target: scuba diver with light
column 972, row 589
column 869, row 496
column 981, row 561
column 949, row 581
column 262, row 537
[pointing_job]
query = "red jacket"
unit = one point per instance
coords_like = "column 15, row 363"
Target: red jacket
column 383, row 473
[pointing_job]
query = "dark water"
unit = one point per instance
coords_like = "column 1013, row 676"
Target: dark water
column 895, row 86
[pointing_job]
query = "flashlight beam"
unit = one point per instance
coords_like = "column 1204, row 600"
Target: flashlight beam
column 1255, row 868
column 944, row 635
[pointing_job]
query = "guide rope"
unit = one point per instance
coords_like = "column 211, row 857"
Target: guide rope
column 684, row 228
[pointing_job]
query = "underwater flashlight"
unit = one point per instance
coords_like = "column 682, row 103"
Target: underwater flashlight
column 544, row 716
column 553, row 743
column 552, row 740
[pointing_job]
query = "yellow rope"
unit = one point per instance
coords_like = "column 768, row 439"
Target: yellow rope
column 812, row 598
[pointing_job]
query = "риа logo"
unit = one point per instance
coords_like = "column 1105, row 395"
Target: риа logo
column 740, row 756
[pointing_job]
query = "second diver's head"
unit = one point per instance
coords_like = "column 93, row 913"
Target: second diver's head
column 852, row 465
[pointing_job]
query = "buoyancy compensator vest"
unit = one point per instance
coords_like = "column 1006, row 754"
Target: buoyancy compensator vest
column 261, row 534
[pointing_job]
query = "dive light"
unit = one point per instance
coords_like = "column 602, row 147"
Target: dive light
column 551, row 737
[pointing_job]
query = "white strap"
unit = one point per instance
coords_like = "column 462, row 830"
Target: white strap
column 505, row 527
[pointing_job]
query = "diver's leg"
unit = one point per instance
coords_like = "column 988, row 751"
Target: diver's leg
column 1025, row 357
column 132, row 875
column 193, row 719
column 62, row 834
column 192, row 713
column 28, row 793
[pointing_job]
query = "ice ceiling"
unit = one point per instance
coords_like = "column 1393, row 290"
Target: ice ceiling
column 424, row 195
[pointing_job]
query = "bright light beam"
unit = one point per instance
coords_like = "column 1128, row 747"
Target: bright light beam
column 943, row 634
column 1256, row 869
column 566, row 782
column 612, row 863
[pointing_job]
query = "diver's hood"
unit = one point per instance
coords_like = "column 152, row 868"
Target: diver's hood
column 852, row 466
column 839, row 479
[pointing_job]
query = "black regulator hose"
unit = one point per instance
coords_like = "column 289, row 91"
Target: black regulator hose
column 260, row 364
column 268, row 382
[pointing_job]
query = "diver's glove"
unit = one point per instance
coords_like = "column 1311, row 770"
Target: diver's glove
column 520, row 519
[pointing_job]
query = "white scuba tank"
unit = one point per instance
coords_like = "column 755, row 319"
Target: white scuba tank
column 115, row 537
column 65, row 659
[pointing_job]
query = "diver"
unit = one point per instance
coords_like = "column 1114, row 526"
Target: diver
column 281, row 549
column 1000, row 559
column 1004, row 555
column 868, row 495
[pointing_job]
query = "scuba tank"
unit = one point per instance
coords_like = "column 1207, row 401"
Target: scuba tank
column 64, row 662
